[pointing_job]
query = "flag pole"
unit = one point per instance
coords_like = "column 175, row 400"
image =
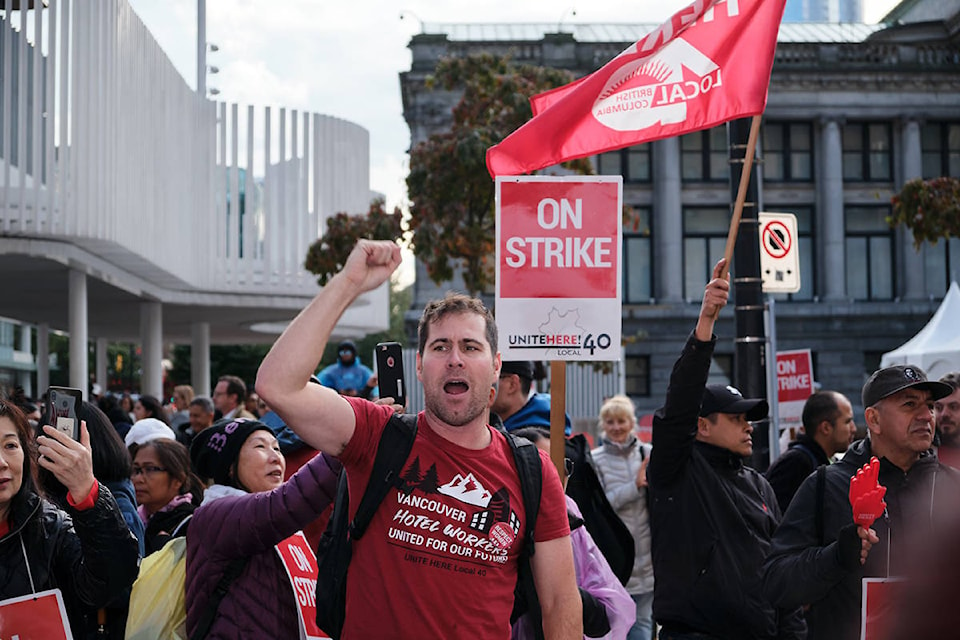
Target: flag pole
column 558, row 396
column 741, row 192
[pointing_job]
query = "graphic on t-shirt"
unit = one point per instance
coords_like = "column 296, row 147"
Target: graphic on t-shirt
column 466, row 489
column 487, row 514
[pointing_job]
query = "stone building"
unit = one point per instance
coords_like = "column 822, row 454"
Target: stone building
column 854, row 111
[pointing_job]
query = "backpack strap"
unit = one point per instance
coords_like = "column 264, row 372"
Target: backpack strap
column 811, row 454
column 183, row 523
column 818, row 511
column 527, row 458
column 394, row 447
column 234, row 569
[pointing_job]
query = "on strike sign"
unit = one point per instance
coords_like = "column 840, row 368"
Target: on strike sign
column 301, row 565
column 558, row 267
column 794, row 385
column 36, row 616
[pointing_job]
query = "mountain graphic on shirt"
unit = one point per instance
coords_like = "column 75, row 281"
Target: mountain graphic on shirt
column 465, row 488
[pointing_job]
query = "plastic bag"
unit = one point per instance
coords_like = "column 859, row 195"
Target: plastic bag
column 157, row 604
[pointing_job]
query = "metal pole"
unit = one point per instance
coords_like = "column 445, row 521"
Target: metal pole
column 202, row 47
column 750, row 354
column 773, row 400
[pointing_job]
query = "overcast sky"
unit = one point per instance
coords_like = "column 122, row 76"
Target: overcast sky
column 342, row 58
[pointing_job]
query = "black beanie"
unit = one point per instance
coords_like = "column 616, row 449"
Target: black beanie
column 215, row 449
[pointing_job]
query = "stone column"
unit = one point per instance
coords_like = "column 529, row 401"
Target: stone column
column 151, row 342
column 912, row 285
column 831, row 235
column 77, row 322
column 100, row 364
column 667, row 221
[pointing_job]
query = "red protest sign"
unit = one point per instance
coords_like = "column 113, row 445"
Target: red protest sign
column 794, row 375
column 37, row 616
column 794, row 385
column 559, row 239
column 558, row 267
column 301, row 565
column 879, row 606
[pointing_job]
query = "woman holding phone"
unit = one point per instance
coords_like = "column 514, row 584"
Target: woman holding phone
column 86, row 551
column 246, row 512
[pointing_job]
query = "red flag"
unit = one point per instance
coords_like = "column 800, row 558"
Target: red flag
column 707, row 64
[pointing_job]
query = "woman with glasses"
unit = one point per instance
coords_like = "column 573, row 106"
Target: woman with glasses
column 166, row 488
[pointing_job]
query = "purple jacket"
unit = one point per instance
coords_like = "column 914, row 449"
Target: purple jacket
column 595, row 577
column 231, row 524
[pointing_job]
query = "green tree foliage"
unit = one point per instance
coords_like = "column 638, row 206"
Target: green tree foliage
column 328, row 254
column 929, row 208
column 225, row 359
column 452, row 214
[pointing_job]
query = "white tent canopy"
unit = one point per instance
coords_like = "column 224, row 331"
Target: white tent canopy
column 936, row 347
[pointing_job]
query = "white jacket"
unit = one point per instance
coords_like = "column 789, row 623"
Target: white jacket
column 617, row 467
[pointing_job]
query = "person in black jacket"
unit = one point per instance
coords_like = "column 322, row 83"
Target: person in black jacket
column 828, row 429
column 89, row 554
column 819, row 555
column 712, row 518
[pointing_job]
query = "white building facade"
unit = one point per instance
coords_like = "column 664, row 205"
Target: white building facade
column 133, row 209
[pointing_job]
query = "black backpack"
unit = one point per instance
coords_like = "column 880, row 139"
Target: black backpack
column 335, row 549
column 612, row 536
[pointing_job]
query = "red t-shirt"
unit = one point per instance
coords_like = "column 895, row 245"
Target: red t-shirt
column 949, row 456
column 439, row 559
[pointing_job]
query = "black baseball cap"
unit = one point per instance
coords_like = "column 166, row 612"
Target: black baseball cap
column 889, row 380
column 523, row 368
column 721, row 398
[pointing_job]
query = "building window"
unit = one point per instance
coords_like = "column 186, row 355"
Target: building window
column 637, row 257
column 806, row 253
column 704, row 155
column 940, row 142
column 941, row 264
column 869, row 249
column 633, row 163
column 704, row 241
column 6, row 334
column 788, row 152
column 637, row 375
column 866, row 152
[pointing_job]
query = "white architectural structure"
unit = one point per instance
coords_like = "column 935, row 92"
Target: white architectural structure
column 134, row 209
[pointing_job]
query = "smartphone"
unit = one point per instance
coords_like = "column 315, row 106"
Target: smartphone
column 64, row 403
column 390, row 372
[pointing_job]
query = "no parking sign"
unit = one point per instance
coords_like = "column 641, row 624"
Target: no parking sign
column 779, row 257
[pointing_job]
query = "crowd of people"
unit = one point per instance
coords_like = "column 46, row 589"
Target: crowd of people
column 717, row 550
